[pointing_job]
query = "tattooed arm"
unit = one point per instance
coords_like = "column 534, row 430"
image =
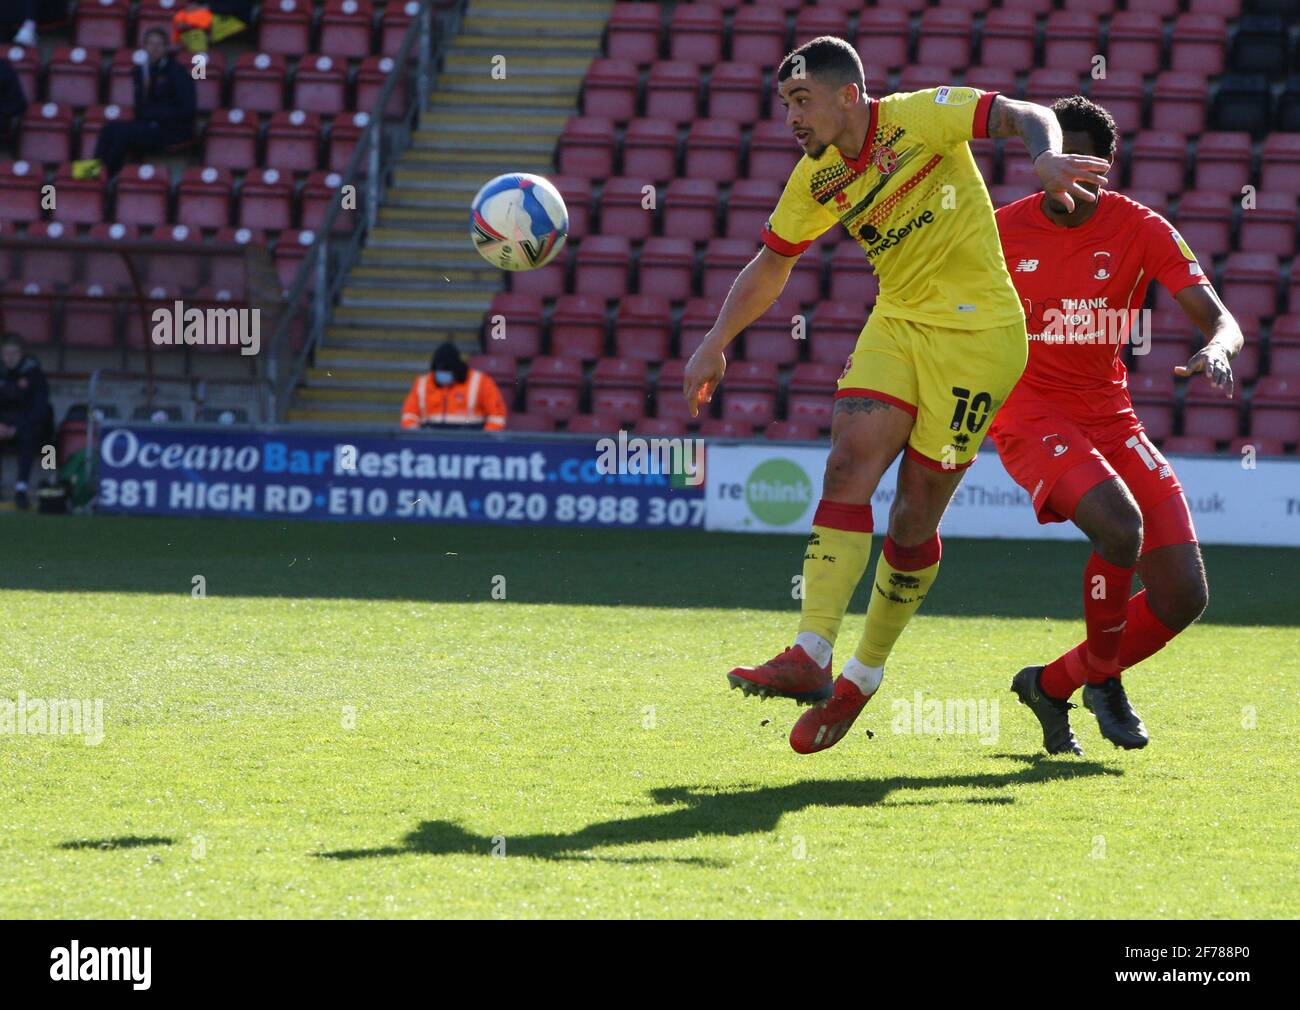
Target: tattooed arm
column 1036, row 125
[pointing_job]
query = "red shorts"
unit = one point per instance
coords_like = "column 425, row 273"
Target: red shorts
column 1058, row 460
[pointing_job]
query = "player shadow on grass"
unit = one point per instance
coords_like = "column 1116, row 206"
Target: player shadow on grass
column 702, row 811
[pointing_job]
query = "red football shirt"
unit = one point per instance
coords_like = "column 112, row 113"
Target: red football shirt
column 1080, row 288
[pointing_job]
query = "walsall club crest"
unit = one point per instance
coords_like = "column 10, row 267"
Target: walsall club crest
column 884, row 159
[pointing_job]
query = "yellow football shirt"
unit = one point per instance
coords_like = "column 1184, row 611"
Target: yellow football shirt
column 915, row 202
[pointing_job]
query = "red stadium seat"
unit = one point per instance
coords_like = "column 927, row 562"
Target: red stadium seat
column 1120, row 93
column 945, row 37
column 1205, row 222
column 592, row 424
column 548, row 282
column 749, row 206
column 20, row 191
column 181, row 269
column 602, row 266
column 716, row 427
column 503, row 369
column 285, row 27
column 771, row 337
column 672, row 91
column 1158, row 419
column 735, row 92
column 609, row 90
column 643, row 328
column 1150, row 387
column 660, row 427
column 121, row 90
column 553, row 387
column 1188, row 445
column 882, row 37
column 1259, row 446
column 320, row 85
column 805, row 282
column 1072, row 39
column 758, row 35
column 1047, row 84
column 345, row 134
column 371, row 75
column 1179, row 102
column 320, row 191
column 586, row 147
column 28, row 310
column 231, row 140
column 713, row 150
column 73, row 76
column 46, row 133
column 578, row 327
column 772, row 152
column 1271, row 226
column 1198, row 44
column 1283, row 359
column 698, row 317
column 669, row 401
column 26, row 65
column 109, row 268
column 513, row 326
column 918, row 76
column 625, row 405
column 1008, row 39
column 142, row 192
column 101, row 24
column 266, row 200
column 851, row 278
column 51, row 267
column 394, row 23
column 1162, row 357
column 822, row 19
column 155, row 14
column 90, row 317
column 1223, row 161
column 689, row 209
column 292, row 139
column 650, row 149
column 258, row 82
column 1220, row 422
column 757, row 409
column 695, row 34
column 81, row 201
column 227, row 272
column 834, row 331
column 667, row 267
column 345, row 28
column 530, row 422
column 1275, row 424
column 203, row 197
column 1250, row 282
column 1277, row 391
column 1134, row 42
column 1280, row 172
column 724, row 258
column 1159, row 161
column 634, row 32
column 622, row 209
column 791, row 431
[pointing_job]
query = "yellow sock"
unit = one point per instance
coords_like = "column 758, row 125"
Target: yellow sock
column 833, row 563
column 903, row 576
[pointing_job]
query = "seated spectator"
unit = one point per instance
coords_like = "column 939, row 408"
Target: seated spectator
column 25, row 417
column 13, row 103
column 23, row 14
column 453, row 395
column 165, row 105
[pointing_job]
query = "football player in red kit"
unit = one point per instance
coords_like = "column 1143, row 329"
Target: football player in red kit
column 1068, row 434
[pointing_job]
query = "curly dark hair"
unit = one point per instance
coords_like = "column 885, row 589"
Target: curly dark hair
column 1079, row 115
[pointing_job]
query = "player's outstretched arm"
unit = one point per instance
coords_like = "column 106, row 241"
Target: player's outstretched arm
column 752, row 293
column 1036, row 125
column 1212, row 318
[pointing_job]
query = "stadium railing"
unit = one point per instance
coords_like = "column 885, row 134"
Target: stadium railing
column 312, row 295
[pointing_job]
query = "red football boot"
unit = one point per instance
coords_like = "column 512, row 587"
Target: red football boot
column 826, row 725
column 792, row 674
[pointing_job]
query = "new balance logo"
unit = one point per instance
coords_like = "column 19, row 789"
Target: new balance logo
column 1026, row 266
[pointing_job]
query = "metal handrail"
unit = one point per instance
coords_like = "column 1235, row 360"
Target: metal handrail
column 316, row 262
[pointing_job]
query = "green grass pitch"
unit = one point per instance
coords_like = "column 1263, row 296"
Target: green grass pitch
column 350, row 724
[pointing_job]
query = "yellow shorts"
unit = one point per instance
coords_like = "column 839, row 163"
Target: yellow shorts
column 951, row 381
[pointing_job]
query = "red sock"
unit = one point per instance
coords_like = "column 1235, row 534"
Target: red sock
column 1105, row 609
column 1144, row 635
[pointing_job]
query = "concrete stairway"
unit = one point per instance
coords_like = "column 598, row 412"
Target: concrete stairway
column 419, row 281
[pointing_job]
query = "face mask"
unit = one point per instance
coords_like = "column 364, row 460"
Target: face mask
column 443, row 378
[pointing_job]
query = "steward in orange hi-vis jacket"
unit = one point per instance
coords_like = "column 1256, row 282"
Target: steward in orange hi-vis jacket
column 453, row 395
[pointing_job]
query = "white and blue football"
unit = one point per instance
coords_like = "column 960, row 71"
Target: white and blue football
column 518, row 222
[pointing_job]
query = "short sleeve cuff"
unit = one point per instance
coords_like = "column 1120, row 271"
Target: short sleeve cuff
column 777, row 244
column 980, row 127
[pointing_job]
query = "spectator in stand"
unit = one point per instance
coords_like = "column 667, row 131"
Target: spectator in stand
column 25, row 419
column 23, row 14
column 13, row 103
column 165, row 105
column 453, row 395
